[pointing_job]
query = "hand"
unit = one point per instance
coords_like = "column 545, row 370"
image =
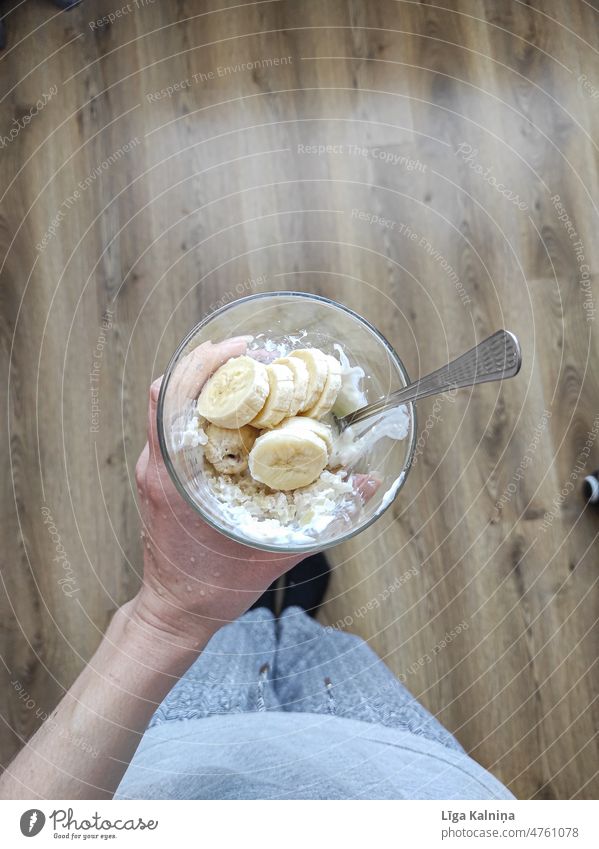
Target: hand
column 195, row 579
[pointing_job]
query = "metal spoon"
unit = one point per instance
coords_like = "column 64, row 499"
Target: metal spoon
column 495, row 358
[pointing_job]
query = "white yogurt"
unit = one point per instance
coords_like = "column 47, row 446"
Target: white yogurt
column 357, row 439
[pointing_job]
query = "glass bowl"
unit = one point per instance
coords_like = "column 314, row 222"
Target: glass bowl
column 310, row 321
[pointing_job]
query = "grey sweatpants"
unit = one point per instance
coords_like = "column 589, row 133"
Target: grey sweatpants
column 260, row 663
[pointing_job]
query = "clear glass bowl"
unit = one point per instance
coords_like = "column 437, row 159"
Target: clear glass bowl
column 311, row 321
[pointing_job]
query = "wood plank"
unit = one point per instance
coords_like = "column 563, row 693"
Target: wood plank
column 206, row 193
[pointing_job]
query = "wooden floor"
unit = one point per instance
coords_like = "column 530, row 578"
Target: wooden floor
column 147, row 173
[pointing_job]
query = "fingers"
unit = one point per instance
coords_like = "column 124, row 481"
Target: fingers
column 222, row 352
column 152, row 428
column 141, row 468
column 195, row 368
column 190, row 375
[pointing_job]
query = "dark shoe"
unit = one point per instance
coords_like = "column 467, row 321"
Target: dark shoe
column 306, row 584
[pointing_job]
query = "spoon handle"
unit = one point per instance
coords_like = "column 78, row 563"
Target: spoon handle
column 495, row 358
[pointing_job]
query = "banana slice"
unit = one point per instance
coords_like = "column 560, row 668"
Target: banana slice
column 331, row 388
column 318, row 371
column 285, row 459
column 227, row 449
column 302, row 424
column 301, row 379
column 280, row 396
column 235, row 393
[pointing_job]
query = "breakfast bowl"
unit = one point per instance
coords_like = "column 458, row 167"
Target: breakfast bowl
column 301, row 508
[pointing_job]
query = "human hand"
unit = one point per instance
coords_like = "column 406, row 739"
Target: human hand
column 195, row 579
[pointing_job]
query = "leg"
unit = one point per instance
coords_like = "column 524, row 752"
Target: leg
column 322, row 670
column 231, row 676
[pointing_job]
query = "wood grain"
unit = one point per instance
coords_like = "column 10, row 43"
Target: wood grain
column 460, row 125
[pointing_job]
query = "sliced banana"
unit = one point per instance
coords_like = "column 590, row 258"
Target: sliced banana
column 280, row 396
column 228, row 449
column 303, row 424
column 301, row 379
column 235, row 393
column 318, row 371
column 286, row 459
column 328, row 396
